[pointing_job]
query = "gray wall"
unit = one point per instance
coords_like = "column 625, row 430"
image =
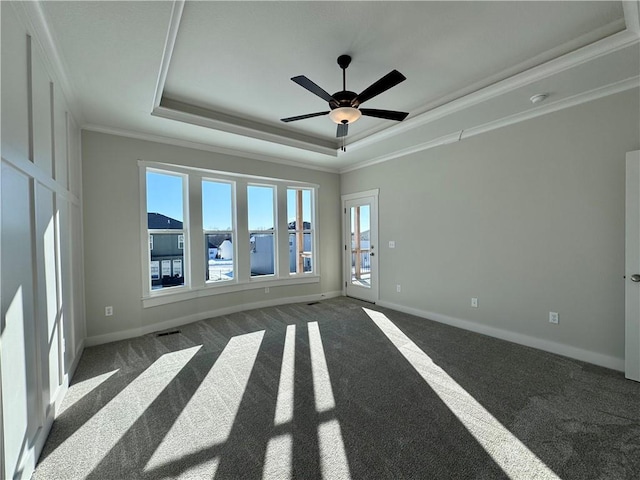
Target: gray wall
column 528, row 218
column 112, row 232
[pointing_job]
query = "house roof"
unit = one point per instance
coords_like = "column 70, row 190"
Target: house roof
column 158, row 221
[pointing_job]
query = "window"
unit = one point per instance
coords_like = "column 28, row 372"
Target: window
column 218, row 227
column 300, row 229
column 208, row 233
column 165, row 228
column 262, row 242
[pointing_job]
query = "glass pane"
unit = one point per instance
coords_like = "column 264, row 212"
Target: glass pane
column 260, row 207
column 164, row 201
column 300, row 261
column 306, row 207
column 294, row 196
column 216, row 206
column 360, row 252
column 262, row 254
column 166, row 262
column 219, row 254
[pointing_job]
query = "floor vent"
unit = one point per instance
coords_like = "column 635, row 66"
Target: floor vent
column 170, row 332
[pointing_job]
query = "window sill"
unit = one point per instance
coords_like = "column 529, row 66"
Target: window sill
column 182, row 294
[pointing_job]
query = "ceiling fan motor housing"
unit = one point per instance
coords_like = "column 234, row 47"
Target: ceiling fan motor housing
column 345, row 98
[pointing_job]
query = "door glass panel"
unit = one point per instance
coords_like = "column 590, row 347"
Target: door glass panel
column 360, row 246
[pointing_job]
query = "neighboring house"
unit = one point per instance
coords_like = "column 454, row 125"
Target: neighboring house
column 262, row 254
column 225, row 250
column 167, row 251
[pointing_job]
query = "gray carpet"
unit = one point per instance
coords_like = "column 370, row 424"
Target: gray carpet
column 331, row 391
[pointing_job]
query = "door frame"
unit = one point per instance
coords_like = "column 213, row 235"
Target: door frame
column 632, row 266
column 346, row 241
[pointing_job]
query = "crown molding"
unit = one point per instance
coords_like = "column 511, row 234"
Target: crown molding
column 568, row 102
column 573, row 59
column 34, row 20
column 436, row 142
column 202, row 146
column 169, row 44
column 617, row 87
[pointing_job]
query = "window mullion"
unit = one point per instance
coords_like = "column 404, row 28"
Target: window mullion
column 242, row 232
column 283, row 230
column 195, row 239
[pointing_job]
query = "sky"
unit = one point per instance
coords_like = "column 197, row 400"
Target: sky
column 364, row 218
column 164, row 195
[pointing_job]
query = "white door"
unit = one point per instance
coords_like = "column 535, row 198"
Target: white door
column 361, row 245
column 632, row 268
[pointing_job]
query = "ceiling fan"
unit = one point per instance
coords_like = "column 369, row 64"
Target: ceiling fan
column 344, row 105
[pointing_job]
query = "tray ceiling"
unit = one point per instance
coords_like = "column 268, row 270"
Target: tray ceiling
column 218, row 73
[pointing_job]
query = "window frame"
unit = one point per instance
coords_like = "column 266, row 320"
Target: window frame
column 303, row 231
column 195, row 284
column 273, row 232
column 150, row 232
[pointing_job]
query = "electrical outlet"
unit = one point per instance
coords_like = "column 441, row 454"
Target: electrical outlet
column 392, row 244
column 474, row 302
column 108, row 311
column 398, row 288
column 266, row 289
column 554, row 318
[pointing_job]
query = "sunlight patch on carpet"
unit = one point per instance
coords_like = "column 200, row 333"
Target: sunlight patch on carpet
column 284, row 402
column 319, row 371
column 208, row 417
column 333, row 457
column 515, row 459
column 112, row 422
column 278, row 459
column 81, row 389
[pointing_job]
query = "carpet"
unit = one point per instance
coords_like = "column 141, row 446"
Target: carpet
column 339, row 389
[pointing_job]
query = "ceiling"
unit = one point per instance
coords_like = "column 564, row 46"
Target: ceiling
column 216, row 75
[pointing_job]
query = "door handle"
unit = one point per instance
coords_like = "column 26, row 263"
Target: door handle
column 635, row 278
column 373, row 255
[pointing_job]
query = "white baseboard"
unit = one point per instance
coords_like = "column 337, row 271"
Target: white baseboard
column 177, row 322
column 519, row 338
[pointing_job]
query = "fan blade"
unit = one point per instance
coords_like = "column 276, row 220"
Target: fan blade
column 388, row 114
column 304, row 82
column 343, row 128
column 391, row 79
column 302, row 117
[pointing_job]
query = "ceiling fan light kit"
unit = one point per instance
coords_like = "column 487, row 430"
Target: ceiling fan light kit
column 345, row 115
column 344, row 105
